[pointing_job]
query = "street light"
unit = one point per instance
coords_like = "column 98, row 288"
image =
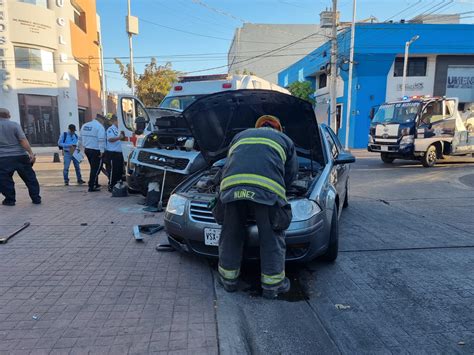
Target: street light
column 405, row 62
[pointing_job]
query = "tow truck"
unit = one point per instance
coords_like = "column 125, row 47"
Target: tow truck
column 420, row 128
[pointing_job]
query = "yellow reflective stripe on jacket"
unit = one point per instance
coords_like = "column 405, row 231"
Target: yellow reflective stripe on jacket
column 259, row 140
column 273, row 279
column 229, row 274
column 253, row 179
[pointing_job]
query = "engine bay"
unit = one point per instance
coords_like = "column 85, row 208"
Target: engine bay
column 208, row 183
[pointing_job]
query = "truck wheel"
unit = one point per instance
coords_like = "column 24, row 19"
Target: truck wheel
column 333, row 247
column 430, row 157
column 387, row 159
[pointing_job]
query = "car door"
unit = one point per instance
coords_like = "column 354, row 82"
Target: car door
column 341, row 171
column 129, row 108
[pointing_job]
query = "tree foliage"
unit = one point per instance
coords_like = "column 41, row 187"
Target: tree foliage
column 244, row 72
column 155, row 82
column 302, row 89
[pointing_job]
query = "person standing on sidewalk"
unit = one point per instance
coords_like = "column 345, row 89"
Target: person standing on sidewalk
column 67, row 143
column 260, row 165
column 113, row 153
column 16, row 155
column 92, row 138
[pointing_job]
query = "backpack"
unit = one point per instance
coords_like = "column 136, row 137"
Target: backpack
column 64, row 139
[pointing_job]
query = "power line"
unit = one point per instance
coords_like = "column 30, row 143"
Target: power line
column 218, row 11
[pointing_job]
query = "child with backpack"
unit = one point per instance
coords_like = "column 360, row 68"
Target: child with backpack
column 67, row 143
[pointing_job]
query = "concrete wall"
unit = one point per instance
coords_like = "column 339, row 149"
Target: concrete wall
column 253, row 40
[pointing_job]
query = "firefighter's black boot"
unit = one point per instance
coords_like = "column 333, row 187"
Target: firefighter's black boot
column 229, row 285
column 272, row 292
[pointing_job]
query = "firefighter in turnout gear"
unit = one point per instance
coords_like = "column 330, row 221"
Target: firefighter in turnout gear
column 261, row 163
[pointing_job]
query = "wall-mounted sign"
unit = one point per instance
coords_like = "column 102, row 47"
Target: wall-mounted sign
column 4, row 74
column 460, row 82
column 412, row 87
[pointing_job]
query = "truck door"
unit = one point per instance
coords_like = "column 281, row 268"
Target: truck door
column 438, row 119
column 129, row 108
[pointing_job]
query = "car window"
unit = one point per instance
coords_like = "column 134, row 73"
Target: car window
column 332, row 145
column 335, row 139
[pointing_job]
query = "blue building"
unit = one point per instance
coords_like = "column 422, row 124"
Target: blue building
column 441, row 62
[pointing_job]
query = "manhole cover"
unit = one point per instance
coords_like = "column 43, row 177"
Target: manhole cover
column 467, row 180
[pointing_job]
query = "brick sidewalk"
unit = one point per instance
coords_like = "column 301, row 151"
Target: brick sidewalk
column 72, row 288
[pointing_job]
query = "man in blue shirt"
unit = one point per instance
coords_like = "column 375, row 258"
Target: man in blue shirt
column 67, row 143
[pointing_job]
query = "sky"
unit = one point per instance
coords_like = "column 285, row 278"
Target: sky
column 196, row 34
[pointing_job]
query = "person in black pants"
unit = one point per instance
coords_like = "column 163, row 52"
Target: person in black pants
column 113, row 153
column 16, row 155
column 92, row 138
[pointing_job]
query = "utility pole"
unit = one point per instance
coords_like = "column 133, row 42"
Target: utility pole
column 351, row 68
column 132, row 29
column 405, row 63
column 104, row 84
column 333, row 88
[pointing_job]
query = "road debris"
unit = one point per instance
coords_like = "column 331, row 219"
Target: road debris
column 461, row 343
column 35, row 317
column 4, row 240
column 342, row 307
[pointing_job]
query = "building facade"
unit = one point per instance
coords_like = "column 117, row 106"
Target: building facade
column 441, row 62
column 252, row 42
column 44, row 84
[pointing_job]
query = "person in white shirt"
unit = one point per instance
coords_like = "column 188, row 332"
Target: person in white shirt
column 113, row 153
column 92, row 138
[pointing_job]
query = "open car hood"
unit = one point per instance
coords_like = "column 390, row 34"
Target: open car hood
column 215, row 119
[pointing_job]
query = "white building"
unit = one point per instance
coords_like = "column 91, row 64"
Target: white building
column 252, row 42
column 38, row 71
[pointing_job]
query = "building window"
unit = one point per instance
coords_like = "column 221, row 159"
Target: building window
column 416, row 66
column 42, row 3
column 83, row 73
column 322, row 81
column 34, row 59
column 79, row 17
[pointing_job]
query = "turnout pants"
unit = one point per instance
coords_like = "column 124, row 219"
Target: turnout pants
column 21, row 164
column 115, row 162
column 231, row 243
column 95, row 162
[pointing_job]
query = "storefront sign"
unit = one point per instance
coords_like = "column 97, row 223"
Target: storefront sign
column 460, row 83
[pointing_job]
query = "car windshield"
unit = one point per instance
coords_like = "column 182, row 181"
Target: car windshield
column 402, row 112
column 179, row 102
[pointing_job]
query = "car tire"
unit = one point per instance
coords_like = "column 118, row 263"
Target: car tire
column 430, row 158
column 333, row 247
column 346, row 198
column 387, row 159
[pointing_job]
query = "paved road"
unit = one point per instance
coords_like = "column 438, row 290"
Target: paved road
column 403, row 282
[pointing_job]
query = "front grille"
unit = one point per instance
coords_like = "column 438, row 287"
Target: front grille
column 199, row 212
column 162, row 160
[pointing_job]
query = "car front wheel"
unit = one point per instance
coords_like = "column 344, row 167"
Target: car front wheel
column 333, row 247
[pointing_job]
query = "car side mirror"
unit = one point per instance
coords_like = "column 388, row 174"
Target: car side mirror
column 372, row 113
column 140, row 125
column 344, row 158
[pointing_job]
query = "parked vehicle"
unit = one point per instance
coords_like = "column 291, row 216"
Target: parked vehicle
column 420, row 128
column 317, row 196
column 167, row 142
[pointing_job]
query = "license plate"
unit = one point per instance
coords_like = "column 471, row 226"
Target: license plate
column 384, row 148
column 211, row 236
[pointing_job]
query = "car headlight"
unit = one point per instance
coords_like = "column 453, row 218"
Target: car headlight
column 407, row 140
column 176, row 205
column 304, row 209
column 371, row 139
